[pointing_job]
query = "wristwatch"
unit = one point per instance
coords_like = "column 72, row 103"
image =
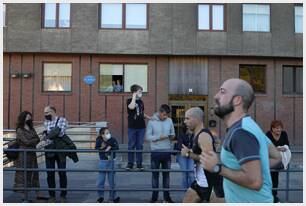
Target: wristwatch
column 188, row 153
column 217, row 168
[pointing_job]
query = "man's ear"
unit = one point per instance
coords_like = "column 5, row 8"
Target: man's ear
column 237, row 100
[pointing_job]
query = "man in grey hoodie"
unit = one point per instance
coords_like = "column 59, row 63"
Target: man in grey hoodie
column 160, row 131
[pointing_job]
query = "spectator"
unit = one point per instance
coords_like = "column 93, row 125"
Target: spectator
column 159, row 133
column 27, row 138
column 246, row 149
column 52, row 123
column 118, row 87
column 279, row 138
column 106, row 143
column 186, row 138
column 136, row 126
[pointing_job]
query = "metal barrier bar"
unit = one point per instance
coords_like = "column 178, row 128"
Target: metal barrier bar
column 25, row 170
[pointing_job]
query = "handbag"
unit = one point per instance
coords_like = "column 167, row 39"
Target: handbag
column 12, row 155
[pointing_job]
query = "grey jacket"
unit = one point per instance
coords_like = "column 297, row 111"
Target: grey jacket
column 155, row 129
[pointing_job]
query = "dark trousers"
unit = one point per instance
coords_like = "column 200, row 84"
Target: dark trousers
column 163, row 159
column 50, row 164
column 274, row 177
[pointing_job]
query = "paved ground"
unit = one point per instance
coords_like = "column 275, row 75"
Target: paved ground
column 131, row 180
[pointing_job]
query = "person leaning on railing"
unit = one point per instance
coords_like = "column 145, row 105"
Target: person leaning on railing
column 26, row 138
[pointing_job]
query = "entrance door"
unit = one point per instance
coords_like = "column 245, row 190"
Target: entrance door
column 181, row 103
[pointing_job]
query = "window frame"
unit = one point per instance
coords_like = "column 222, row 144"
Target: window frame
column 4, row 15
column 42, row 79
column 294, row 76
column 297, row 5
column 265, row 73
column 56, row 17
column 211, row 17
column 256, row 4
column 123, row 18
column 123, row 93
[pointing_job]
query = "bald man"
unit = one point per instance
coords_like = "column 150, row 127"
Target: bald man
column 246, row 149
column 200, row 189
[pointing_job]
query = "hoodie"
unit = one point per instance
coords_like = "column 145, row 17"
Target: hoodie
column 155, row 129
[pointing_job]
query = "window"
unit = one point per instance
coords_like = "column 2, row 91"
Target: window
column 255, row 75
column 211, row 17
column 292, row 80
column 56, row 15
column 123, row 16
column 57, row 77
column 120, row 77
column 298, row 19
column 256, row 17
column 4, row 15
column 111, row 15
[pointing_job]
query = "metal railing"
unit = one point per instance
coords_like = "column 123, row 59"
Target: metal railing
column 26, row 189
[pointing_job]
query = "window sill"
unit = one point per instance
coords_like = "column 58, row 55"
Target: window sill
column 119, row 94
column 263, row 32
column 56, row 93
column 292, row 95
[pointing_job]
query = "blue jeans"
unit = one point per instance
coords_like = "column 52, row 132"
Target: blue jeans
column 135, row 137
column 106, row 164
column 163, row 159
column 186, row 164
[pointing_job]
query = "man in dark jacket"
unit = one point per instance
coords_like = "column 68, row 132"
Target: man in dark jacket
column 52, row 123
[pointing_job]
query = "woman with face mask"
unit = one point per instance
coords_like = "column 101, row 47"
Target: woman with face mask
column 27, row 138
column 106, row 143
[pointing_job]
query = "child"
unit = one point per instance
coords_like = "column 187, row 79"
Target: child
column 105, row 142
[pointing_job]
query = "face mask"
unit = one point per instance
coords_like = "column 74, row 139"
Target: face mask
column 108, row 136
column 48, row 117
column 29, row 122
column 139, row 95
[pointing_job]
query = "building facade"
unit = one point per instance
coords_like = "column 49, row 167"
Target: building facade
column 179, row 53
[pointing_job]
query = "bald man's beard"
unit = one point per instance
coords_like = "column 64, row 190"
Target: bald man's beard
column 222, row 111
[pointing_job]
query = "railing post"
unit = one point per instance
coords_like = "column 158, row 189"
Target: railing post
column 287, row 183
column 25, row 181
column 113, row 173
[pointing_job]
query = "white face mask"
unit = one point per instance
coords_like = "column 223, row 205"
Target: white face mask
column 139, row 95
column 108, row 136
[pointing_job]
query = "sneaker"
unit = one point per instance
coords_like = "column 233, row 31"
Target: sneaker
column 168, row 200
column 100, row 199
column 276, row 199
column 63, row 199
column 129, row 167
column 140, row 167
column 116, row 200
column 153, row 200
column 51, row 200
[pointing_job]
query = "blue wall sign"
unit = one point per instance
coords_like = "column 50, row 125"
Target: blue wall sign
column 89, row 79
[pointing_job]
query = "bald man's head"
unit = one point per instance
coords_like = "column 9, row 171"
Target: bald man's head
column 242, row 88
column 193, row 117
column 196, row 112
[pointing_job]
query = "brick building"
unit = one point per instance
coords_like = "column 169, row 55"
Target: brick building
column 179, row 53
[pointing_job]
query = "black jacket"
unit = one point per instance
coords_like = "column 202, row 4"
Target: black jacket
column 63, row 142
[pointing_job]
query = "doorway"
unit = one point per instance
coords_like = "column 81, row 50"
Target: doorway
column 181, row 103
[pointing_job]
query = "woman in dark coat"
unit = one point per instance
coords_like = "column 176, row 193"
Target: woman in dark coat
column 27, row 138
